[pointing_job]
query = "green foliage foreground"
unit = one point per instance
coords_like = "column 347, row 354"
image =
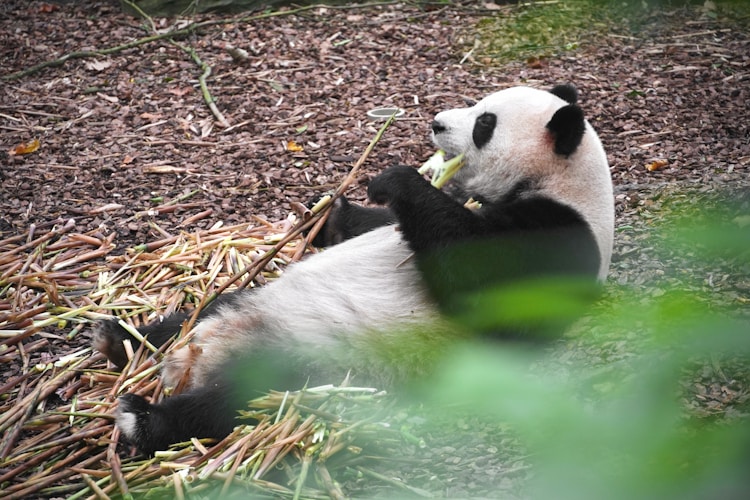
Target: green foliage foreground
column 623, row 429
column 634, row 441
column 589, row 425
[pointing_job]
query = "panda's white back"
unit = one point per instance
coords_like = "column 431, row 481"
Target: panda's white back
column 368, row 282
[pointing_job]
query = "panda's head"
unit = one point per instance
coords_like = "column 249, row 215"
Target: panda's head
column 525, row 141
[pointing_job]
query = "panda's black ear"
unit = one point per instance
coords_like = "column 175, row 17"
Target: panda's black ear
column 566, row 92
column 567, row 126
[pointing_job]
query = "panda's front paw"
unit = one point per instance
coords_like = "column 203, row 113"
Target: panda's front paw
column 392, row 184
column 135, row 418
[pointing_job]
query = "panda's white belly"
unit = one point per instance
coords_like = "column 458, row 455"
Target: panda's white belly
column 362, row 291
column 367, row 283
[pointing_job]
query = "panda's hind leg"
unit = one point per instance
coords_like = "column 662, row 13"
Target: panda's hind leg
column 109, row 336
column 208, row 409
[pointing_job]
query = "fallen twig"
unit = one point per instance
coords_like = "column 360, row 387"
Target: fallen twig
column 210, row 101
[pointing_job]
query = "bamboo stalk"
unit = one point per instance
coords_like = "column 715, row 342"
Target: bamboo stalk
column 177, row 482
column 6, row 387
column 72, row 438
column 25, row 491
column 69, row 225
column 197, row 217
column 239, row 457
column 324, row 211
column 33, row 461
column 94, row 487
column 94, row 254
column 10, row 438
column 116, row 467
column 332, row 488
column 17, row 317
column 61, row 464
column 306, row 461
column 47, row 388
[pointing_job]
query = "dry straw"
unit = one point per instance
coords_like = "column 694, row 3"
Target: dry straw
column 54, row 278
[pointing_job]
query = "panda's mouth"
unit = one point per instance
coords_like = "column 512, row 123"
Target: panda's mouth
column 442, row 169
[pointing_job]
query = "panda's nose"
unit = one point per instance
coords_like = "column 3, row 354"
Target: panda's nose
column 437, row 127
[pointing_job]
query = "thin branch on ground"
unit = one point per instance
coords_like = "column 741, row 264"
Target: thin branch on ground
column 210, row 101
column 177, row 33
column 202, row 79
column 97, row 53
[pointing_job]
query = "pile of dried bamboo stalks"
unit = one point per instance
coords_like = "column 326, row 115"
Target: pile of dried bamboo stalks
column 57, row 426
column 56, row 422
column 61, row 277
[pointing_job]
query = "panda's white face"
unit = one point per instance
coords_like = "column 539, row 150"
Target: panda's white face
column 506, row 140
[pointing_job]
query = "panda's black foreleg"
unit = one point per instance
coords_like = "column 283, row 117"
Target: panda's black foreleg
column 437, row 228
column 464, row 258
column 348, row 220
column 204, row 412
column 428, row 217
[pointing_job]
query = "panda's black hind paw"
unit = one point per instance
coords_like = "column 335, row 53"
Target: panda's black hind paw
column 107, row 338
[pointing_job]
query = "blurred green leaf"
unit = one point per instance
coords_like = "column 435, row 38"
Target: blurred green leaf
column 621, row 429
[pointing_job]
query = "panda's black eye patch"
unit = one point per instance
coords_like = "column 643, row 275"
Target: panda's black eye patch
column 483, row 129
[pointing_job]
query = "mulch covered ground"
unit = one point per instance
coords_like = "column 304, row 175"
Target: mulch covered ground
column 129, row 153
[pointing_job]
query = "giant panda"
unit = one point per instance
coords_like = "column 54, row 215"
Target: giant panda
column 381, row 303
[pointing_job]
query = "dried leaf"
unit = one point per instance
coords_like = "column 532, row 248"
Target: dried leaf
column 207, row 125
column 294, row 147
column 151, row 116
column 108, row 98
column 179, row 92
column 536, row 62
column 47, row 8
column 25, row 148
column 656, row 165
